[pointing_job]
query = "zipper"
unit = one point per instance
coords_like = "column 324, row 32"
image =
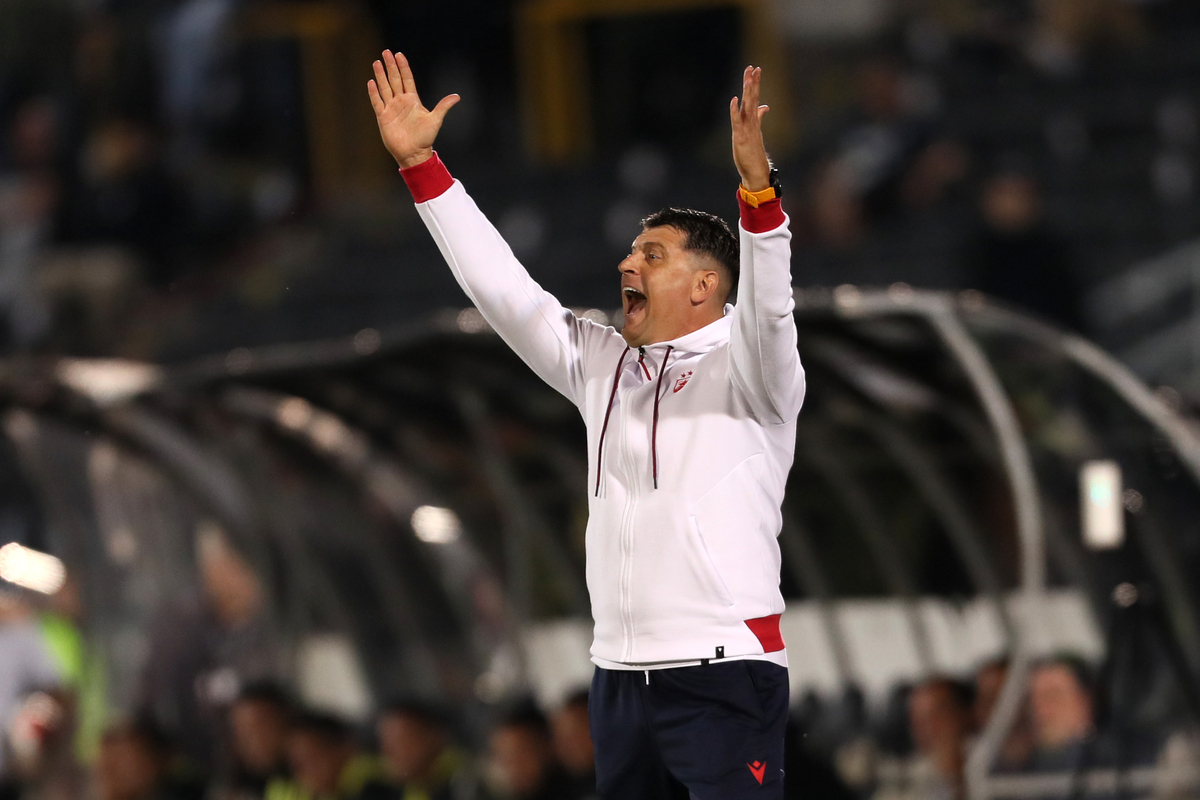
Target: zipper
column 631, row 499
column 642, row 362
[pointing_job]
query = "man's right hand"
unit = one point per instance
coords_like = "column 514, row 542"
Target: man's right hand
column 407, row 127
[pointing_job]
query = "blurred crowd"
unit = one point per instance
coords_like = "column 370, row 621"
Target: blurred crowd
column 161, row 160
column 263, row 743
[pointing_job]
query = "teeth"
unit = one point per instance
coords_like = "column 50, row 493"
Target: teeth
column 630, row 290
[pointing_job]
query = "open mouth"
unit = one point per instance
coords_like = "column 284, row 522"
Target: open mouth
column 634, row 300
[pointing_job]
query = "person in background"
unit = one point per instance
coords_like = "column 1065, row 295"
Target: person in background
column 1015, row 256
column 259, row 723
column 419, row 754
column 989, row 681
column 939, row 714
column 523, row 766
column 26, row 666
column 573, row 743
column 136, row 762
column 1061, row 712
column 326, row 764
column 205, row 646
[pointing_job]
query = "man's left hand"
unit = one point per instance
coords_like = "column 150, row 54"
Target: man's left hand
column 749, row 152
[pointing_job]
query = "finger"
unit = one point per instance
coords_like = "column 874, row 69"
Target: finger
column 762, row 112
column 376, row 101
column 448, row 102
column 406, row 75
column 381, row 82
column 393, row 72
column 733, row 111
column 751, row 101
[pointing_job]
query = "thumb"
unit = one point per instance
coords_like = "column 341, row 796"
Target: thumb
column 448, row 102
column 762, row 111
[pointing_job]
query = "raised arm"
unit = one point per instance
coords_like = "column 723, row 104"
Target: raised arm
column 766, row 366
column 547, row 337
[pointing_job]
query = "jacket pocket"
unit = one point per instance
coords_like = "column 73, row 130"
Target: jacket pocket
column 705, row 567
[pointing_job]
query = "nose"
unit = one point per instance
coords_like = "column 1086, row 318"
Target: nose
column 628, row 265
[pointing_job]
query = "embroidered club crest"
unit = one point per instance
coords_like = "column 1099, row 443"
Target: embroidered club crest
column 683, row 379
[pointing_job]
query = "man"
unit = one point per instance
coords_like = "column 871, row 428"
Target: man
column 26, row 666
column 259, row 723
column 418, row 754
column 137, row 761
column 939, row 720
column 1060, row 709
column 325, row 764
column 573, row 742
column 523, row 765
column 690, row 412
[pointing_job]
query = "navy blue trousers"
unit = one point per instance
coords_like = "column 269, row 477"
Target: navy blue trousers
column 717, row 729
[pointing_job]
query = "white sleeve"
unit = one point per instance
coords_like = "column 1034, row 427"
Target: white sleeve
column 548, row 337
column 765, row 364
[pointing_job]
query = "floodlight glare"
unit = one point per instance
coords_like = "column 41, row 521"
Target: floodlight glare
column 436, row 525
column 30, row 569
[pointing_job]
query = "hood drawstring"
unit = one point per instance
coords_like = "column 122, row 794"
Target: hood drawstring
column 612, row 396
column 662, row 370
column 608, row 413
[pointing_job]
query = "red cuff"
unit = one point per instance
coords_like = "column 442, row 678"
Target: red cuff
column 427, row 180
column 767, row 217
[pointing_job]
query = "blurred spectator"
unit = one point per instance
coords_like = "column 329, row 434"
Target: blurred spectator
column 1061, row 710
column 132, row 764
column 135, row 763
column 989, row 681
column 939, row 712
column 259, row 723
column 419, row 755
column 203, row 650
column 326, row 764
column 1065, row 29
column 1015, row 256
column 26, row 666
column 861, row 746
column 891, row 157
column 523, row 766
column 124, row 195
column 29, row 196
column 573, row 743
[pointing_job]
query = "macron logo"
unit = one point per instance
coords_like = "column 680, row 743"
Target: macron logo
column 683, row 379
column 758, row 769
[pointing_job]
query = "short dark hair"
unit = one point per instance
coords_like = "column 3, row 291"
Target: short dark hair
column 1072, row 663
column 146, row 731
column 702, row 233
column 526, row 715
column 329, row 728
column 961, row 693
column 430, row 715
column 267, row 692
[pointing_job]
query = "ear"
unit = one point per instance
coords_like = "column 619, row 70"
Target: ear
column 705, row 285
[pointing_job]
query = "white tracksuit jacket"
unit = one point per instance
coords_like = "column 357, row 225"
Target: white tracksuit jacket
column 688, row 569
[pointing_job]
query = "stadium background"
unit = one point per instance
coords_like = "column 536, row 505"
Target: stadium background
column 244, row 405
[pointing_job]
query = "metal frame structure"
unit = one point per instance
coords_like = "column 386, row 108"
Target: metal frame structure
column 244, row 385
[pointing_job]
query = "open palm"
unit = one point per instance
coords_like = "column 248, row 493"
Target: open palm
column 407, row 127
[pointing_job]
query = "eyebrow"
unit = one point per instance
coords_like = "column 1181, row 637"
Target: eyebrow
column 650, row 243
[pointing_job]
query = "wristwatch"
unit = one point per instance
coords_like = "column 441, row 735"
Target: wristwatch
column 772, row 192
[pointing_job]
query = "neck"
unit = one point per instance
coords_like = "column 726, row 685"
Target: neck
column 693, row 324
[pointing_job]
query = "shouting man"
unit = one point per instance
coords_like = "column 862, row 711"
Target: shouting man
column 691, row 426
